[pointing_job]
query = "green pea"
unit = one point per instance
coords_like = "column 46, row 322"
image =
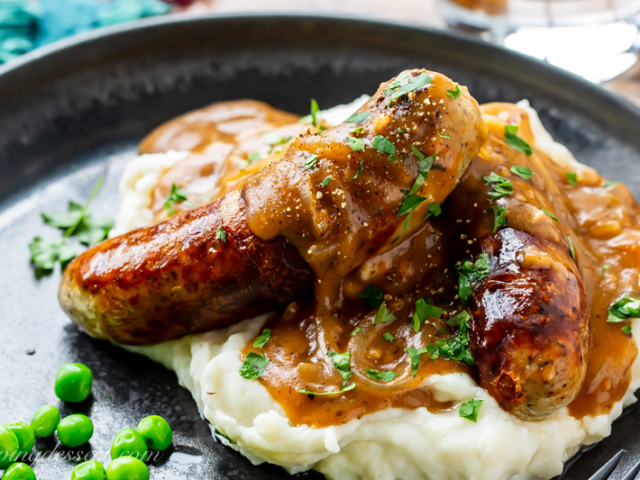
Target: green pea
column 156, row 432
column 75, row 430
column 45, row 421
column 9, row 447
column 24, row 434
column 127, row 468
column 130, row 443
column 19, row 471
column 91, row 470
column 73, row 382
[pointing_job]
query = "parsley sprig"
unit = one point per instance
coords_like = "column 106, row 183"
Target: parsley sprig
column 372, row 296
column 404, row 84
column 384, row 315
column 624, row 309
column 470, row 409
column 254, row 364
column 500, row 186
column 514, row 141
column 456, row 348
column 424, row 309
column 176, row 195
column 469, row 272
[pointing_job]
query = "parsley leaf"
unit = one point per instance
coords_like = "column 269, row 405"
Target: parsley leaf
column 442, row 135
column 571, row 249
column 424, row 165
column 358, row 117
column 176, row 195
column 384, row 315
column 459, row 319
column 605, row 267
column 409, row 204
column 499, row 217
column 401, row 85
column 262, row 339
column 415, row 356
column 624, row 309
column 608, row 183
column 470, row 272
column 45, row 254
column 356, row 144
column 326, row 182
column 383, row 145
column 387, row 337
column 358, row 173
column 252, row 157
column 315, row 108
column 456, row 348
column 455, row 93
column 434, row 209
column 549, row 214
column 512, row 139
column 310, row 161
column 627, row 329
column 221, row 235
column 355, row 331
column 523, row 172
column 382, row 376
column 342, row 362
column 373, row 296
column 424, row 309
column 572, row 178
column 500, row 186
column 253, row 366
column 349, row 387
column 471, row 409
column 273, row 139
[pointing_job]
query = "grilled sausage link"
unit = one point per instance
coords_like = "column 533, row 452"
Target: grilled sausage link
column 529, row 328
column 181, row 276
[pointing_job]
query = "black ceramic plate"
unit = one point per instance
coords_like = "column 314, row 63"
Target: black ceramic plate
column 74, row 112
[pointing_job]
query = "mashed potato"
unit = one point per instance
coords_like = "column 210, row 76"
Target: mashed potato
column 389, row 444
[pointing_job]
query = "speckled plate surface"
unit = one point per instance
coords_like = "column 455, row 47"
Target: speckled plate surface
column 74, row 112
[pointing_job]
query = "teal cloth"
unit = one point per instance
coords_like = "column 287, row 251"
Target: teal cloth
column 26, row 24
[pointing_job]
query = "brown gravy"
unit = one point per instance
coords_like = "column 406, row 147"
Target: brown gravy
column 601, row 220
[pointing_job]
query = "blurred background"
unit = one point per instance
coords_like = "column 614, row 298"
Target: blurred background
column 596, row 39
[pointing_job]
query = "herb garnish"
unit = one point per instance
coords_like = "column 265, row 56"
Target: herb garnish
column 310, row 161
column 469, row 272
column 387, row 337
column 499, row 217
column 424, row 309
column 372, row 296
column 549, row 214
column 409, row 204
column 608, row 183
column 262, row 339
column 434, row 209
column 455, row 93
column 571, row 249
column 383, row 145
column 572, row 178
column 384, row 315
column 176, row 195
column 273, row 139
column 500, row 186
column 604, row 267
column 415, row 356
column 46, row 253
column 512, row 139
column 315, row 109
column 356, row 144
column 349, row 387
column 442, row 135
column 221, row 234
column 342, row 362
column 382, row 376
column 402, row 85
column 624, row 309
column 424, row 165
column 523, row 172
column 358, row 117
column 325, row 182
column 471, row 409
column 627, row 328
column 358, row 173
column 253, row 366
column 456, row 348
column 355, row 331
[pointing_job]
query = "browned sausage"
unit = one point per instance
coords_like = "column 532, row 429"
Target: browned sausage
column 177, row 278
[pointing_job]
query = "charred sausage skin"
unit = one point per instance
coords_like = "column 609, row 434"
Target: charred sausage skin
column 529, row 327
column 182, row 276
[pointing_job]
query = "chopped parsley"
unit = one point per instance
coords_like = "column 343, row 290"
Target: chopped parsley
column 383, row 145
column 500, row 186
column 434, row 210
column 355, row 331
column 381, row 376
column 549, row 214
column 325, row 182
column 424, row 310
column 315, row 109
column 627, row 328
column 455, row 93
column 499, row 217
column 608, row 183
column 456, row 348
column 512, row 139
column 571, row 249
column 273, row 139
column 424, row 165
column 523, row 172
column 469, row 272
column 442, row 135
column 349, row 387
column 356, row 144
column 384, row 315
column 572, row 178
column 221, row 235
column 409, row 204
column 342, row 362
column 262, row 339
column 358, row 117
column 471, row 409
column 356, row 131
column 46, row 253
column 605, row 267
column 253, row 366
column 176, row 195
column 624, row 309
column 310, row 161
column 387, row 337
column 358, row 173
column 415, row 356
column 372, row 296
column 403, row 85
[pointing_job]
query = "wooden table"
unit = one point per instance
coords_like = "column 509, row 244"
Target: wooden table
column 416, row 12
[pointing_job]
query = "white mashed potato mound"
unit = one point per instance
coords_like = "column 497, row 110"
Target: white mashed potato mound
column 386, row 445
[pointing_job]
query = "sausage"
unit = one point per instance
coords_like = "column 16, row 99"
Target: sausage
column 179, row 277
